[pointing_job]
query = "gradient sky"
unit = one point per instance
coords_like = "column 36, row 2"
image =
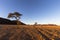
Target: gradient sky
column 40, row 11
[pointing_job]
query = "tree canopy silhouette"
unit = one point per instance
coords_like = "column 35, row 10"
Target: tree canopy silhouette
column 15, row 15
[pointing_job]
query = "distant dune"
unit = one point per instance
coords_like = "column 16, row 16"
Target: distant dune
column 29, row 32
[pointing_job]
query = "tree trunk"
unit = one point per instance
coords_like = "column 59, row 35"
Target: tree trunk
column 18, row 23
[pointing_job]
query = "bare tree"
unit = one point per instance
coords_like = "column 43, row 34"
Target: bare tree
column 35, row 23
column 15, row 15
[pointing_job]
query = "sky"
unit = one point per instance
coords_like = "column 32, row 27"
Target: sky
column 40, row 11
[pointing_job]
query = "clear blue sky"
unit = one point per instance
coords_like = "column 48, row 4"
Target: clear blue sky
column 41, row 11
